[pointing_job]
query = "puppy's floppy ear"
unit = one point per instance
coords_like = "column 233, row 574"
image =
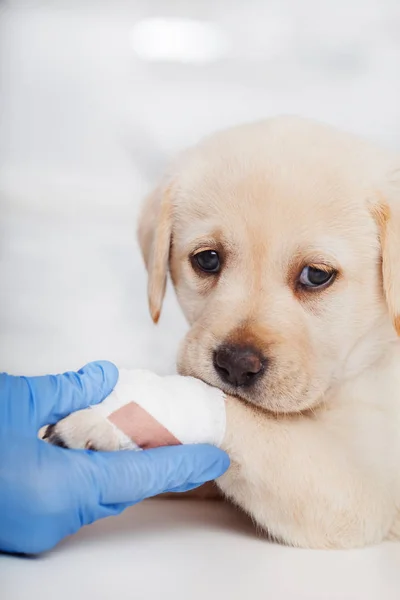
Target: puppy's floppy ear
column 387, row 215
column 154, row 233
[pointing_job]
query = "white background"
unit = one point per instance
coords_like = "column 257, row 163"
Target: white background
column 95, row 96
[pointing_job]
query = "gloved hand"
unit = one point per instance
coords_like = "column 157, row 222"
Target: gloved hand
column 47, row 493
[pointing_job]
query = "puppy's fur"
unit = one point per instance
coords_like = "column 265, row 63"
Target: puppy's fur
column 315, row 442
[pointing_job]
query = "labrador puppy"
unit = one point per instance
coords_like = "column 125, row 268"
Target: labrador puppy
column 282, row 239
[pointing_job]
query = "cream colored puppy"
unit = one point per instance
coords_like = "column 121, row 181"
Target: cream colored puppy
column 283, row 243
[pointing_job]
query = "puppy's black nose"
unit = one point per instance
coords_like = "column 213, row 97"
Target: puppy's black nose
column 238, row 365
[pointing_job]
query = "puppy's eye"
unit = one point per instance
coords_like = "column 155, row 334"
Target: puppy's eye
column 207, row 260
column 312, row 277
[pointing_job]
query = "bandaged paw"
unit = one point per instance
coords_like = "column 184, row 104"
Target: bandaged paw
column 146, row 411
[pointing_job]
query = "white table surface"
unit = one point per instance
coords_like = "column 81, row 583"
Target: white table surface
column 197, row 550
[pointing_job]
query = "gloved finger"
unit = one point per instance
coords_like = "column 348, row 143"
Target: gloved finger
column 72, row 391
column 187, row 487
column 44, row 400
column 129, row 477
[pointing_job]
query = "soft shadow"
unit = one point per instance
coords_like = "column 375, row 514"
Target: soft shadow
column 156, row 517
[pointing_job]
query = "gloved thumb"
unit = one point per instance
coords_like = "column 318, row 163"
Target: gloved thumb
column 44, row 400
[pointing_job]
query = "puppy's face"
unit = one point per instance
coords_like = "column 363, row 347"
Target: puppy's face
column 274, row 253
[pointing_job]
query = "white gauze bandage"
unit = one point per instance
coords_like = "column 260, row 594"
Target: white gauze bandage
column 150, row 411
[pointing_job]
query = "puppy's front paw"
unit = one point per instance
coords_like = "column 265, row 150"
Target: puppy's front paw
column 87, row 429
column 145, row 411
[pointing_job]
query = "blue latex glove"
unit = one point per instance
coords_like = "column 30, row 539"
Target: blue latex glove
column 47, row 493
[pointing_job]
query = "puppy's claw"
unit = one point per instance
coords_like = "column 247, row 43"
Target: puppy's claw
column 90, row 446
column 52, row 437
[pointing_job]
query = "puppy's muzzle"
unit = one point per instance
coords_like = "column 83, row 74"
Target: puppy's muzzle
column 238, row 365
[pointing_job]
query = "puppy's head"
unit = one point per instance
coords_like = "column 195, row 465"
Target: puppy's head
column 283, row 242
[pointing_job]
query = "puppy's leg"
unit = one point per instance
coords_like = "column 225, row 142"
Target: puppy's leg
column 298, row 482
